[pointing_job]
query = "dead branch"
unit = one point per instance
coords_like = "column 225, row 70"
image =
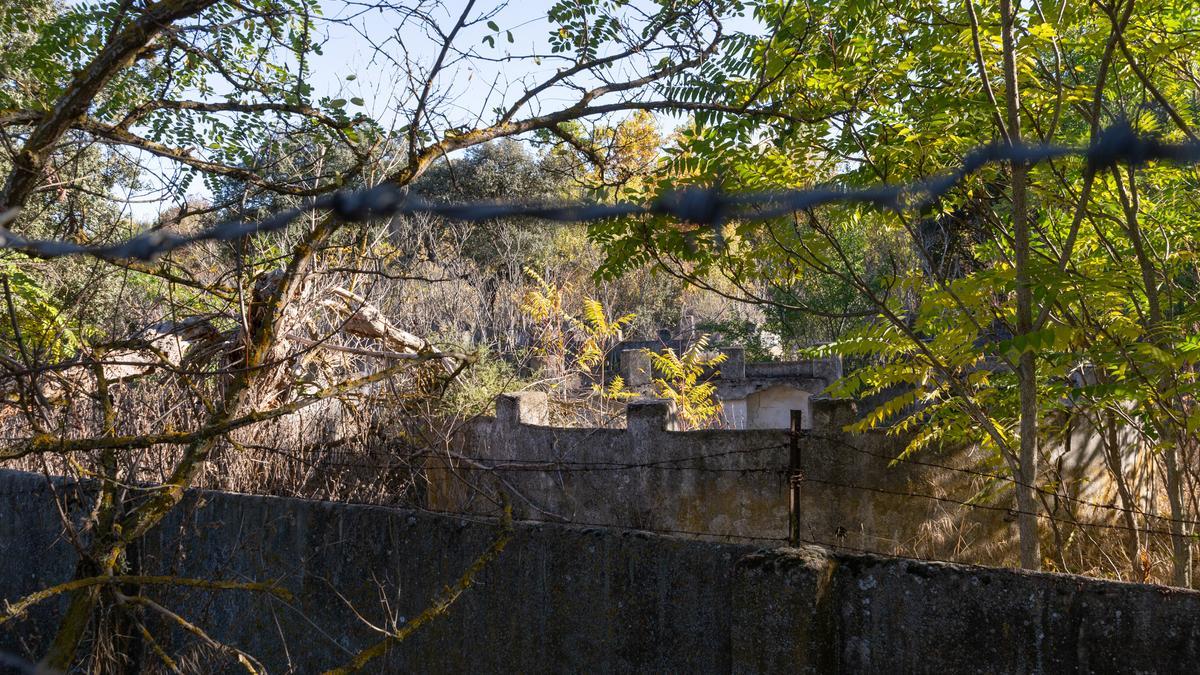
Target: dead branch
column 248, row 662
column 363, row 319
column 18, row 608
column 49, row 443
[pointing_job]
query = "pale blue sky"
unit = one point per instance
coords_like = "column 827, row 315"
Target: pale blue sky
column 373, row 47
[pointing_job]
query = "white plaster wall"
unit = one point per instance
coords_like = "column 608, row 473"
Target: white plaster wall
column 772, row 408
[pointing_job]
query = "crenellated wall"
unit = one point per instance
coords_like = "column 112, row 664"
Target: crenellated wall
column 716, row 482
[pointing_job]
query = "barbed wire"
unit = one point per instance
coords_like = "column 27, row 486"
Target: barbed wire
column 530, row 464
column 468, row 516
column 991, row 475
column 602, row 467
column 944, row 499
column 484, row 518
column 565, row 466
column 1118, row 144
column 1010, row 511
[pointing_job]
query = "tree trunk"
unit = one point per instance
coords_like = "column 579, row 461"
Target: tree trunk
column 1107, row 425
column 1169, row 441
column 1027, row 507
column 1181, row 550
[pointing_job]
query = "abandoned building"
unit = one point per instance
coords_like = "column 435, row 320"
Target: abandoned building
column 779, row 543
column 753, row 394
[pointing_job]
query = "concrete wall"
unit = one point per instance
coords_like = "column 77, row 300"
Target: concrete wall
column 810, row 611
column 572, row 599
column 558, row 599
column 718, row 482
column 645, row 476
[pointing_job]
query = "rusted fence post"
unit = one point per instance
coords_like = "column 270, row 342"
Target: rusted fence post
column 794, row 478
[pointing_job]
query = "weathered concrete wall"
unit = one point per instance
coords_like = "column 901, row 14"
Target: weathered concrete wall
column 809, row 611
column 558, row 599
column 571, row 599
column 719, row 482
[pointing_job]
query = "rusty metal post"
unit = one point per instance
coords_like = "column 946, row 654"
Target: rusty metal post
column 794, row 478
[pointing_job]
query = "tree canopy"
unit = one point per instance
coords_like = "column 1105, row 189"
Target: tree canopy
column 1027, row 301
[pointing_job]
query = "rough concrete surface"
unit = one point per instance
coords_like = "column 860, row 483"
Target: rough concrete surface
column 811, row 611
column 558, row 599
column 573, row 599
column 722, row 482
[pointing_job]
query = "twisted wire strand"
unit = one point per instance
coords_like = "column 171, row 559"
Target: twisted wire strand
column 1118, row 144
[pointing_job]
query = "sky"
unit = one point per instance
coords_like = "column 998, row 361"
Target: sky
column 478, row 86
column 363, row 55
column 346, row 52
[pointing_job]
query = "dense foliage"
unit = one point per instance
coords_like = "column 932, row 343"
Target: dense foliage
column 930, row 299
column 1025, row 308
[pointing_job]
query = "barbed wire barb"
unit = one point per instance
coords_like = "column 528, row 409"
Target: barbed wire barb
column 1118, row 144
